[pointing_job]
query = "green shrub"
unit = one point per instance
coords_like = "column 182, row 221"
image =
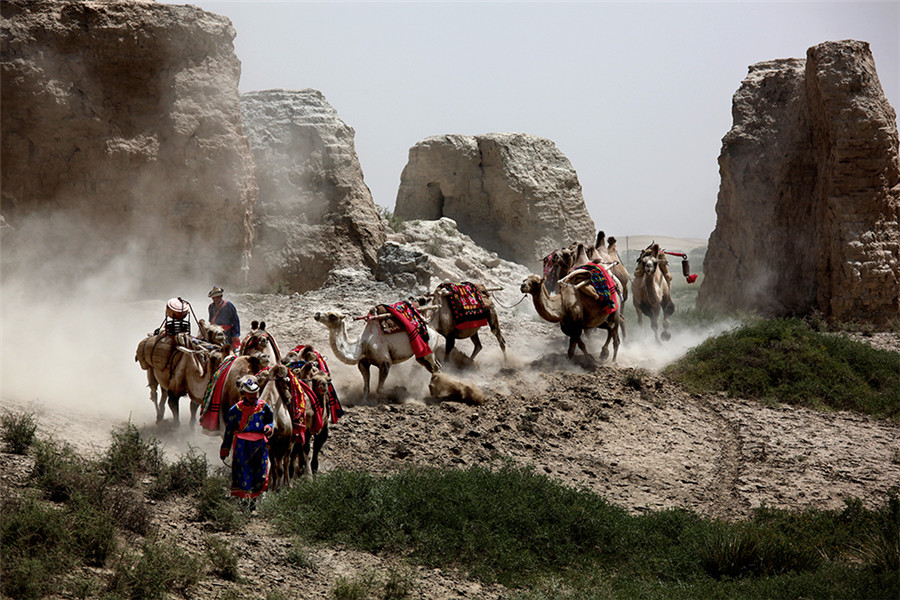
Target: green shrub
column 18, row 431
column 214, row 506
column 786, row 361
column 34, row 543
column 129, row 456
column 93, row 533
column 185, row 476
column 160, row 567
column 398, row 584
column 127, row 508
column 354, row 588
column 223, row 560
column 62, row 474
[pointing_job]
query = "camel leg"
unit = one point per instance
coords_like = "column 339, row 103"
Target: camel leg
column 449, row 343
column 477, row 342
column 154, row 396
column 495, row 329
column 194, row 408
column 363, row 367
column 383, row 370
column 667, row 312
column 318, row 442
column 173, row 406
column 604, row 353
column 654, row 323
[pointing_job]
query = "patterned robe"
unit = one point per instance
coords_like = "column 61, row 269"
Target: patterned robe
column 245, row 440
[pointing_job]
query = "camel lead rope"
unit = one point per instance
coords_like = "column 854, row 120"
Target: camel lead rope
column 512, row 306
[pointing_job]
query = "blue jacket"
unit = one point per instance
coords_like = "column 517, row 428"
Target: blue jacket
column 226, row 316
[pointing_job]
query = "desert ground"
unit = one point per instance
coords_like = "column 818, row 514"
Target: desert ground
column 619, row 429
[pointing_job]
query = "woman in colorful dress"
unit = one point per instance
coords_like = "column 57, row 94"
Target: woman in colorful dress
column 248, row 425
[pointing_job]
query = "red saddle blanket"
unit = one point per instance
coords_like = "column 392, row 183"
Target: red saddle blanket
column 466, row 304
column 413, row 323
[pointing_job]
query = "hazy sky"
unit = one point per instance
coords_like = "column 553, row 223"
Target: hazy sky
column 636, row 94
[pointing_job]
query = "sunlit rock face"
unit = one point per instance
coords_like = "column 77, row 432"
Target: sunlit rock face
column 122, row 139
column 512, row 193
column 315, row 212
column 809, row 201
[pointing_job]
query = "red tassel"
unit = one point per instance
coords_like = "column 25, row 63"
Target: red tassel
column 692, row 278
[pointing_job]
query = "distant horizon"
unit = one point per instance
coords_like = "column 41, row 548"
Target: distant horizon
column 637, row 95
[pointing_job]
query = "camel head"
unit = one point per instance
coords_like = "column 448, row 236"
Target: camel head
column 212, row 333
column 649, row 258
column 319, row 383
column 330, row 319
column 532, row 284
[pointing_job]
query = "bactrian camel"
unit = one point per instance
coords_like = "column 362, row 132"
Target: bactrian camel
column 305, row 457
column 180, row 365
column 276, row 392
column 651, row 292
column 444, row 322
column 373, row 347
column 575, row 311
column 260, row 341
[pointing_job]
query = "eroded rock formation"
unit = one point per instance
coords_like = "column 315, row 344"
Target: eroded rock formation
column 512, row 193
column 122, row 137
column 315, row 212
column 808, row 212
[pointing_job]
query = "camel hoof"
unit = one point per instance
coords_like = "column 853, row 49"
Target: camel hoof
column 604, row 354
column 666, row 336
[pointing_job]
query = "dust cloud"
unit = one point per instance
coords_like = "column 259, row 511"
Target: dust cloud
column 69, row 327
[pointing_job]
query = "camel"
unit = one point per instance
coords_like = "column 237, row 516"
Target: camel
column 445, row 323
column 651, row 292
column 304, row 458
column 373, row 347
column 609, row 255
column 181, row 365
column 576, row 311
column 276, row 392
column 444, row 387
column 261, row 341
column 241, row 366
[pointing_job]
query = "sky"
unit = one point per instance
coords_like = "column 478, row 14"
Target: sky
column 637, row 95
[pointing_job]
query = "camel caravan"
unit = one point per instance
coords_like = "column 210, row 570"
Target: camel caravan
column 583, row 288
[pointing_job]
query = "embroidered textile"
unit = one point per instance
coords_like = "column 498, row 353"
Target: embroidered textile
column 466, row 304
column 212, row 398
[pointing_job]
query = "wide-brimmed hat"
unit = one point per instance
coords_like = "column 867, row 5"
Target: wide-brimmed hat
column 216, row 291
column 249, row 385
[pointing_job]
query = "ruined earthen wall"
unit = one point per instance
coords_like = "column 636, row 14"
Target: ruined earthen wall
column 512, row 193
column 807, row 213
column 315, row 212
column 121, row 135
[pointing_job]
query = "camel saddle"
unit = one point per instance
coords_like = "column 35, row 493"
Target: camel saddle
column 468, row 305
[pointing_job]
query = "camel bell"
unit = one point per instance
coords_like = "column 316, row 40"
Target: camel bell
column 685, row 267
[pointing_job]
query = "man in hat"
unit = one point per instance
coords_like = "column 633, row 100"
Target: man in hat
column 248, row 426
column 222, row 312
